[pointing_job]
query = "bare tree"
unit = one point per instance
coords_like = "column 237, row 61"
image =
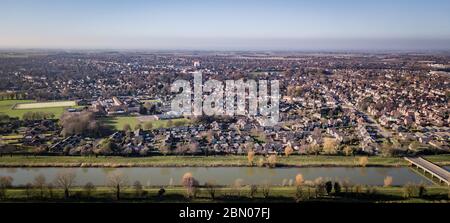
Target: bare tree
column 253, row 190
column 348, row 150
column 88, row 189
column 363, row 161
column 265, row 188
column 330, row 146
column 138, row 188
column 211, row 188
column 65, row 179
column 190, row 183
column 250, row 156
column 193, row 148
column 50, row 187
column 260, row 162
column 117, row 180
column 272, row 161
column 238, row 183
column 39, row 183
column 288, row 150
column 5, row 183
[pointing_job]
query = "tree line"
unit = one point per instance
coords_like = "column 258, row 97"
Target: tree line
column 118, row 185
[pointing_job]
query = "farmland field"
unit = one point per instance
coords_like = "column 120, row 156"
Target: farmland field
column 7, row 107
column 53, row 104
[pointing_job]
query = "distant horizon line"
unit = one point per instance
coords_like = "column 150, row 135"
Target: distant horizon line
column 143, row 49
column 233, row 44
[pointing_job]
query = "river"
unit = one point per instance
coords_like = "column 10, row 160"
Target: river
column 152, row 176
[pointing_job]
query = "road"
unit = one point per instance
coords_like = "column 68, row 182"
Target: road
column 430, row 167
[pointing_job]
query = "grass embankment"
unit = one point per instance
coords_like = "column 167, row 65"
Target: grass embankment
column 227, row 194
column 201, row 161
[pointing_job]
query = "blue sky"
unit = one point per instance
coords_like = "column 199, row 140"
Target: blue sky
column 231, row 24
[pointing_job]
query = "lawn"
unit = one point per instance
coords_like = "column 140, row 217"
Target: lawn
column 7, row 107
column 119, row 122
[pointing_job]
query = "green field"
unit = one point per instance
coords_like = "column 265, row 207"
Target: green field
column 276, row 194
column 119, row 122
column 200, row 161
column 7, row 107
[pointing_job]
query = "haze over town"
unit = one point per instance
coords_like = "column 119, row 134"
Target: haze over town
column 226, row 25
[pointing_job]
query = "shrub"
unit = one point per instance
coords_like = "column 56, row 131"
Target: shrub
column 337, row 188
column 299, row 195
column 422, row 190
column 320, row 187
column 320, row 190
column 161, row 192
column 410, row 190
column 329, row 187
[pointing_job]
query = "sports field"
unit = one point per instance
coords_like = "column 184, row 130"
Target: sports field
column 8, row 107
column 53, row 104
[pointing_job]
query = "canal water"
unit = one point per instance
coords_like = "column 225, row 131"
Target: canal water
column 157, row 176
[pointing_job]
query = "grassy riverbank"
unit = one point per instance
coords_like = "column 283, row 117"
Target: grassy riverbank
column 202, row 161
column 227, row 194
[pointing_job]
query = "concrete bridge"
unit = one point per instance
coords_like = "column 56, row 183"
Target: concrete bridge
column 434, row 170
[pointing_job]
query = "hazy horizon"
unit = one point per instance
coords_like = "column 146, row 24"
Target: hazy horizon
column 322, row 25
